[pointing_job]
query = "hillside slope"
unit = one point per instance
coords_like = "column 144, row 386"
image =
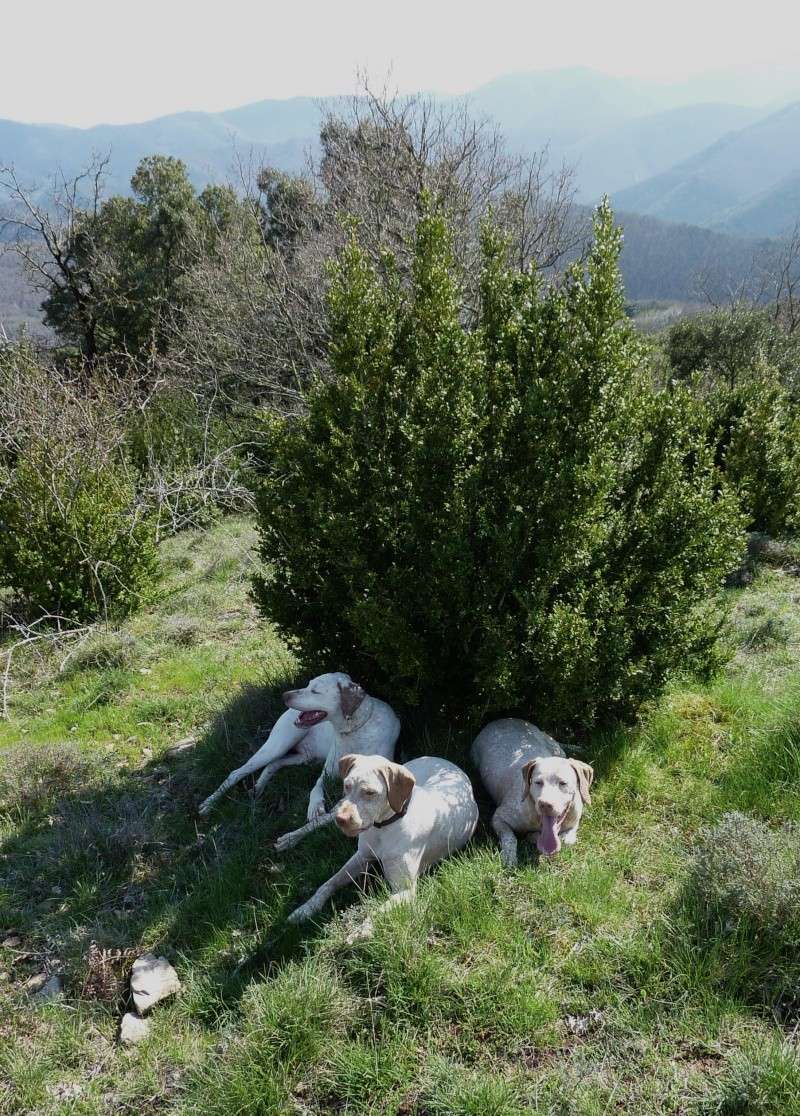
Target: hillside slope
column 588, row 984
column 716, row 187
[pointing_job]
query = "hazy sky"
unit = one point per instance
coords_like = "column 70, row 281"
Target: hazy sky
column 90, row 61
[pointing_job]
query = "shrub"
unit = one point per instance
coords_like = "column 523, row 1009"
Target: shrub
column 763, row 1079
column 744, row 886
column 755, row 429
column 74, row 538
column 723, row 346
column 188, row 464
column 507, row 517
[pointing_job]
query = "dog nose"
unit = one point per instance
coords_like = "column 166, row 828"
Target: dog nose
column 547, row 807
column 289, row 694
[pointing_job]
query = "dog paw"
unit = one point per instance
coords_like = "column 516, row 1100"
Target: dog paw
column 301, row 914
column 315, row 810
column 287, row 841
column 204, row 809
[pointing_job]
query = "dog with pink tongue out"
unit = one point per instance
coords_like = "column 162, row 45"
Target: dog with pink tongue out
column 536, row 788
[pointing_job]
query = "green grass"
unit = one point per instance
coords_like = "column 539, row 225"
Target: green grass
column 584, row 986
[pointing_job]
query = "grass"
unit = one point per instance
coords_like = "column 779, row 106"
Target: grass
column 585, row 986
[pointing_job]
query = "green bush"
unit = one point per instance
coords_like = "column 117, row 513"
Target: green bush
column 503, row 517
column 755, row 429
column 74, row 538
column 723, row 346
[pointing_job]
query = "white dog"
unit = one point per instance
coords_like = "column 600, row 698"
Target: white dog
column 536, row 788
column 336, row 716
column 405, row 817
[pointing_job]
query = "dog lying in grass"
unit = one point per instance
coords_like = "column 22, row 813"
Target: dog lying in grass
column 535, row 787
column 406, row 817
column 328, row 717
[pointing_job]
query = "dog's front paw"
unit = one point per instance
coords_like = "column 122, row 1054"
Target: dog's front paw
column 569, row 837
column 301, row 914
column 204, row 809
column 287, row 841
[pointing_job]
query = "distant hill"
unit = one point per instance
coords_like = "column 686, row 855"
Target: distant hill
column 276, row 132
column 662, row 260
column 633, row 151
column 746, row 182
column 718, row 154
column 618, row 132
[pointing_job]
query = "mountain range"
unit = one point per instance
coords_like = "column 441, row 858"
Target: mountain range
column 721, row 151
column 699, row 171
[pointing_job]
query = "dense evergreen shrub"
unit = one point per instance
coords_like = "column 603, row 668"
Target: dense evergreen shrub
column 755, row 430
column 503, row 517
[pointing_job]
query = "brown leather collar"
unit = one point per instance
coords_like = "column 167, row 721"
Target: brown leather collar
column 395, row 817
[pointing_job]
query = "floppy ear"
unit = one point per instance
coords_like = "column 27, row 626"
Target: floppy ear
column 585, row 773
column 346, row 765
column 527, row 775
column 350, row 697
column 399, row 784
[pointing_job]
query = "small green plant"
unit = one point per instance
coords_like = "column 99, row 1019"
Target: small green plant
column 744, row 887
column 73, row 539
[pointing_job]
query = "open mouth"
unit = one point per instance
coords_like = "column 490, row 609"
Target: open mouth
column 549, row 840
column 310, row 717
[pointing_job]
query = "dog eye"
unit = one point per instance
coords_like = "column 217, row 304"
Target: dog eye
column 562, row 784
column 539, row 782
column 369, row 791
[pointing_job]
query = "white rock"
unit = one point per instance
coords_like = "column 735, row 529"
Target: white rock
column 152, row 979
column 132, row 1029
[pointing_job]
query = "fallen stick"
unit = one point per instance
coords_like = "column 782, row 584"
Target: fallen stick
column 289, row 840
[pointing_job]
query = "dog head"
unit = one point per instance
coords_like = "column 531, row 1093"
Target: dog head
column 374, row 789
column 559, row 789
column 334, row 695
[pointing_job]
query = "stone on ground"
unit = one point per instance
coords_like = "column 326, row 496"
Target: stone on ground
column 152, row 979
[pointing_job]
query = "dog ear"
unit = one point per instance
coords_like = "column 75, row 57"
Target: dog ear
column 346, row 765
column 585, row 773
column 399, row 784
column 350, row 697
column 527, row 775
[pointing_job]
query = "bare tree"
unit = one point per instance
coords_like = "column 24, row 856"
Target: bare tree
column 258, row 316
column 43, row 234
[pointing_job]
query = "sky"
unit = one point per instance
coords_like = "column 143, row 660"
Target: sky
column 103, row 61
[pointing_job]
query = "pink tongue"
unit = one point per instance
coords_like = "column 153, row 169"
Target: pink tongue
column 548, row 842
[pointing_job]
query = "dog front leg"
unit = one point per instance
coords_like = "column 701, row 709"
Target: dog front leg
column 330, row 770
column 508, row 840
column 348, row 874
column 285, row 735
column 402, row 880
